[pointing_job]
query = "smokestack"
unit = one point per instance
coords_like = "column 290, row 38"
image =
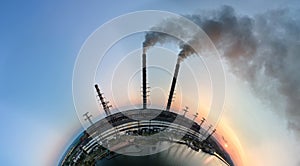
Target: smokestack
column 144, row 77
column 104, row 104
column 173, row 83
column 210, row 134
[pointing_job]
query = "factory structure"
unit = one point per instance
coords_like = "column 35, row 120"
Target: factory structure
column 117, row 133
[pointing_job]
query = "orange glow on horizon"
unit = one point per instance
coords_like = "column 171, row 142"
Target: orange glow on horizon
column 229, row 140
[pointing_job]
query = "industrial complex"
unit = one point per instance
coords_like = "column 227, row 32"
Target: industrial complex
column 143, row 132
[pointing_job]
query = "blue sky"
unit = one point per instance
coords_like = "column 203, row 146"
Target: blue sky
column 38, row 47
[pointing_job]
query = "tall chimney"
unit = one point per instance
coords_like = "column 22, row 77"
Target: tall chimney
column 173, row 84
column 104, row 104
column 144, row 77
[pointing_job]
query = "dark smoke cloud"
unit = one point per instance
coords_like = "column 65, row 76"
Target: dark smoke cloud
column 186, row 50
column 259, row 49
column 153, row 37
column 233, row 32
column 279, row 40
column 155, row 34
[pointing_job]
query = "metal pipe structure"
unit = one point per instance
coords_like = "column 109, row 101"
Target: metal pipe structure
column 173, row 84
column 144, row 77
column 104, row 104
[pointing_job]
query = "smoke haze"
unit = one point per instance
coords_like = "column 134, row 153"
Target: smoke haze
column 263, row 50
